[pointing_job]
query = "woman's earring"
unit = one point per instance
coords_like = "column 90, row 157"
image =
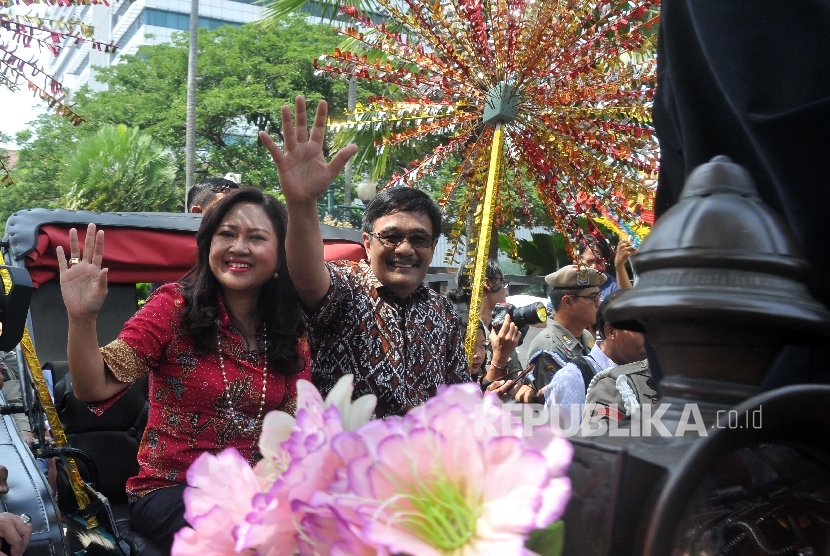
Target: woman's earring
column 276, row 275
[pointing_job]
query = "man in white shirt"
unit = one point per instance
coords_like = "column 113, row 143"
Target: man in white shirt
column 568, row 386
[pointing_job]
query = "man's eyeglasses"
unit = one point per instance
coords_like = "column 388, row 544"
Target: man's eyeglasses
column 417, row 241
column 594, row 297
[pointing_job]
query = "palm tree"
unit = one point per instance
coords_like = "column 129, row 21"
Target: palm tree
column 276, row 10
column 190, row 116
column 120, row 169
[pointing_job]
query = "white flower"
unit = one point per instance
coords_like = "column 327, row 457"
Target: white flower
column 278, row 425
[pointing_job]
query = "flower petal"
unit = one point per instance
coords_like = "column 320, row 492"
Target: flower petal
column 359, row 413
column 225, row 480
column 213, row 536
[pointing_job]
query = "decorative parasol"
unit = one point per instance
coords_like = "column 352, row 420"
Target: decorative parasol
column 551, row 95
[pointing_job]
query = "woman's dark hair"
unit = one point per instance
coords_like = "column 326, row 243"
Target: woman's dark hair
column 278, row 300
column 463, row 290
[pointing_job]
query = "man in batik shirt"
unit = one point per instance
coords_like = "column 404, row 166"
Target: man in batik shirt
column 374, row 320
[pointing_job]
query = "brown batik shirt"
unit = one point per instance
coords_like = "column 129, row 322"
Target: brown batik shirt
column 400, row 350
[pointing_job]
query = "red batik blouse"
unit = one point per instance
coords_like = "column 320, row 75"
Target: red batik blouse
column 189, row 413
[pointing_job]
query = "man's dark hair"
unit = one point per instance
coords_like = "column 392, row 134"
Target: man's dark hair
column 601, row 320
column 278, row 300
column 203, row 192
column 556, row 296
column 600, row 249
column 401, row 199
column 463, row 283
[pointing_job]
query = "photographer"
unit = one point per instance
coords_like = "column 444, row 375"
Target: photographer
column 495, row 292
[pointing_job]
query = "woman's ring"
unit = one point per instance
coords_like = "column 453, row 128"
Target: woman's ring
column 74, row 261
column 25, row 518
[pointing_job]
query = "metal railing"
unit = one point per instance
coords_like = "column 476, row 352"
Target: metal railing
column 444, row 281
column 342, row 213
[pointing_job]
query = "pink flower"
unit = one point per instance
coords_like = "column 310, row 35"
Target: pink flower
column 326, row 532
column 219, row 497
column 426, row 485
column 431, row 483
column 310, row 463
column 278, row 426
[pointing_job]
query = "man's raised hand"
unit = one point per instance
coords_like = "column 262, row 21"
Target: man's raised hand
column 304, row 173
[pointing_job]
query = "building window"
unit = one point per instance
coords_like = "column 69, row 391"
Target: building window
column 122, row 9
column 180, row 21
column 84, row 64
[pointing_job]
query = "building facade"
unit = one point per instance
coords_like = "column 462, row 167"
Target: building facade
column 130, row 25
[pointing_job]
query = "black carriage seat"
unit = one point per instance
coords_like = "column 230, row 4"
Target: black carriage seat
column 111, row 440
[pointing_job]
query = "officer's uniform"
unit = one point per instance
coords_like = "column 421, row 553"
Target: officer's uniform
column 617, row 392
column 556, row 347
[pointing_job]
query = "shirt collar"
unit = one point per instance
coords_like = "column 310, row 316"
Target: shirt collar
column 599, row 356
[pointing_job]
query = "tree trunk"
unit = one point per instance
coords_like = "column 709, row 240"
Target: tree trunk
column 347, row 173
column 190, row 133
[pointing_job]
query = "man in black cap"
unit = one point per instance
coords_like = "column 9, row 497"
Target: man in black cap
column 575, row 297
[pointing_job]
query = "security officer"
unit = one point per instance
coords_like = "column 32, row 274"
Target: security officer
column 575, row 297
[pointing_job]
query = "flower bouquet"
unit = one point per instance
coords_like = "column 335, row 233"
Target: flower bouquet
column 332, row 482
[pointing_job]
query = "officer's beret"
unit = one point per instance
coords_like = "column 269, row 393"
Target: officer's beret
column 572, row 277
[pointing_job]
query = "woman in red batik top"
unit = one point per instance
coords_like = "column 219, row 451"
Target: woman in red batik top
column 223, row 346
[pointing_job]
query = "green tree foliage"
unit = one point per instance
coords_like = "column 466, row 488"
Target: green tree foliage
column 4, row 160
column 40, row 162
column 245, row 77
column 543, row 254
column 120, row 169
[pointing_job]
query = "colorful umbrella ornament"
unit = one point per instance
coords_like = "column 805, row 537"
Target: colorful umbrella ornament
column 555, row 94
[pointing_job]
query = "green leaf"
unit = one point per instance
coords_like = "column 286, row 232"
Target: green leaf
column 544, row 254
column 549, row 541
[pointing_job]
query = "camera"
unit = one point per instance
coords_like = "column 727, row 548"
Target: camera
column 533, row 313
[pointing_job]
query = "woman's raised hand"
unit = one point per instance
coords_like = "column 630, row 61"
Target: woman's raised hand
column 303, row 170
column 83, row 281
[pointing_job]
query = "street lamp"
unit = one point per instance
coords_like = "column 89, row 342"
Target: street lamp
column 330, row 199
column 366, row 189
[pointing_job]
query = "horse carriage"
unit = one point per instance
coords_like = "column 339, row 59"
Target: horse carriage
column 88, row 513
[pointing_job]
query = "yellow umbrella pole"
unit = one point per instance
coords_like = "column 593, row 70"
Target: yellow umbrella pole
column 483, row 242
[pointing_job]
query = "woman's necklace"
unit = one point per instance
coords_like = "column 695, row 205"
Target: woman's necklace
column 242, row 423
